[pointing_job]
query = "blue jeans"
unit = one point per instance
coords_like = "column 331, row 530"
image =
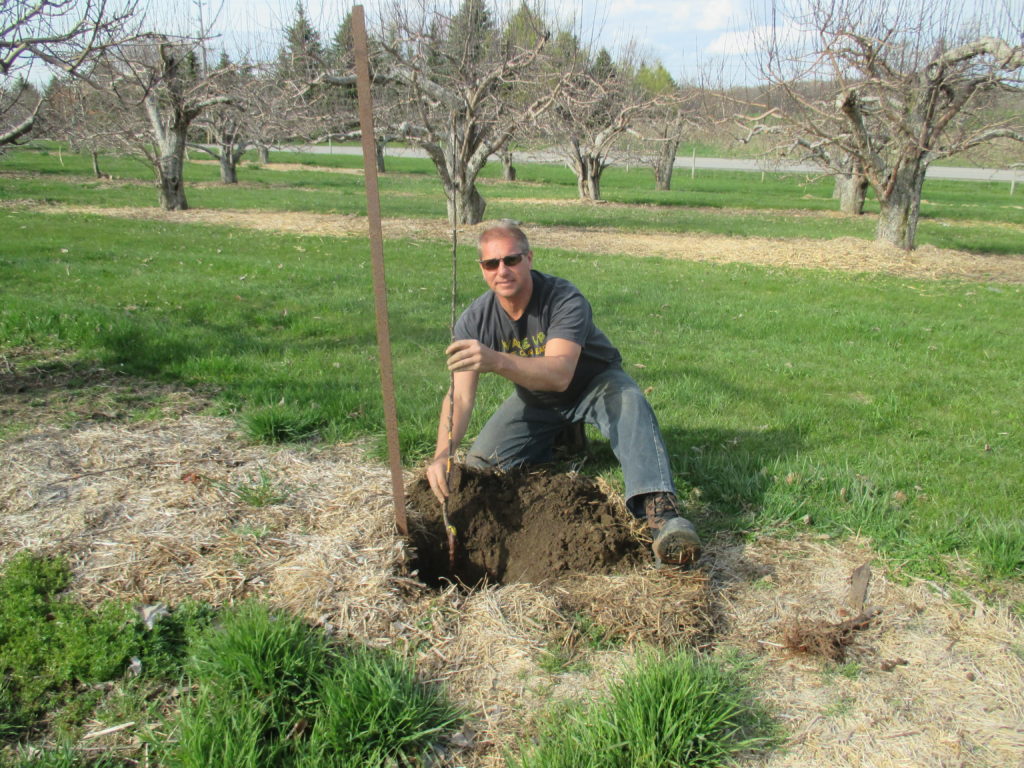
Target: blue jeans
column 519, row 433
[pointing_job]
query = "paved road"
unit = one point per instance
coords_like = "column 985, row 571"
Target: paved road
column 684, row 164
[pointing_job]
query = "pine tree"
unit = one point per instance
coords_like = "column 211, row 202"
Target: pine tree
column 524, row 28
column 471, row 32
column 303, row 52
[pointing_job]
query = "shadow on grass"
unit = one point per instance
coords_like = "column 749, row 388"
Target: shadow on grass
column 729, row 468
column 50, row 387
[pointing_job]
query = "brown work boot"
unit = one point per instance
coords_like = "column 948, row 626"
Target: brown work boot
column 675, row 539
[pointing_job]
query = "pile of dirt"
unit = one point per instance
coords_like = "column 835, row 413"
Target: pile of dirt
column 520, row 526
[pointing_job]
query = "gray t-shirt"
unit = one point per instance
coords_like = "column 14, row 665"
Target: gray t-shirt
column 557, row 310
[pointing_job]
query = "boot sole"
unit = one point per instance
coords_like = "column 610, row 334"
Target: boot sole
column 677, row 544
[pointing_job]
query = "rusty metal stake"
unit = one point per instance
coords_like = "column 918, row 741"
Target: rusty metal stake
column 448, row 527
column 362, row 56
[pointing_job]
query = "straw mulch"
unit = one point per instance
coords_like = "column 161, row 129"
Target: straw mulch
column 927, row 682
column 150, row 512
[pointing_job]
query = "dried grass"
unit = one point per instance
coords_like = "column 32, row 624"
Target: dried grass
column 144, row 511
column 847, row 254
column 934, row 684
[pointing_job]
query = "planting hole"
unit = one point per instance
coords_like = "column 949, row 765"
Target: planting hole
column 519, row 526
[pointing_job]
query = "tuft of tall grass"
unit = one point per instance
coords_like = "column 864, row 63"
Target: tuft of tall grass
column 270, row 690
column 1001, row 547
column 679, row 710
column 282, row 423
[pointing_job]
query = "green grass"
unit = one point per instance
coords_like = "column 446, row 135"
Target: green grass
column 259, row 491
column 58, row 658
column 873, row 405
column 268, row 690
column 62, row 757
column 263, row 688
column 955, row 214
column 49, row 646
column 676, row 710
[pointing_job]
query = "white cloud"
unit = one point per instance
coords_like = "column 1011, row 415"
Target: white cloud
column 749, row 40
column 704, row 15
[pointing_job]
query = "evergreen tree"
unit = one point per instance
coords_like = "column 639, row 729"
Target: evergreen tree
column 603, row 67
column 300, row 58
column 471, row 32
column 655, row 79
column 524, row 28
column 341, row 54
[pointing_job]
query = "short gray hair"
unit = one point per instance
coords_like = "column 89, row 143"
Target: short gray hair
column 507, row 229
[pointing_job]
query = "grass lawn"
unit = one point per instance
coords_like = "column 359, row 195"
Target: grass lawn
column 790, row 400
column 957, row 215
column 866, row 404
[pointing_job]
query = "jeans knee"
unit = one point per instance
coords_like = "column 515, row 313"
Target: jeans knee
column 477, row 461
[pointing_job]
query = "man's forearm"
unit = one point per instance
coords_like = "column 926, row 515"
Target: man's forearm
column 550, row 372
column 449, row 442
column 542, row 374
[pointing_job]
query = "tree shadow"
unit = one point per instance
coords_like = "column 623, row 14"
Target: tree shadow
column 43, row 388
column 723, row 473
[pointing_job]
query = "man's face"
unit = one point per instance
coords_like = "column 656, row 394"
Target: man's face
column 507, row 282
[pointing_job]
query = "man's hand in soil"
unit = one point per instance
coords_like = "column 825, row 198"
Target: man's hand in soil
column 437, row 472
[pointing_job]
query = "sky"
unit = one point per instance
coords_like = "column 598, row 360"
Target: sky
column 689, row 37
column 683, row 34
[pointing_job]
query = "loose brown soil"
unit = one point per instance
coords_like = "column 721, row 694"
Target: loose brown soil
column 521, row 526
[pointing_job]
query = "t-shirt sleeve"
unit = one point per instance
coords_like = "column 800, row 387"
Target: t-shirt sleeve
column 571, row 318
column 470, row 324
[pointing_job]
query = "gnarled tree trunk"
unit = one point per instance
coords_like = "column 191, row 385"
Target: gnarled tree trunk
column 850, row 190
column 901, row 206
column 228, row 164
column 465, row 204
column 664, row 164
column 508, row 171
column 588, row 179
column 170, row 168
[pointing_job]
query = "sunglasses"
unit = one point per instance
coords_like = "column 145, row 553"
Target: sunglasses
column 509, row 261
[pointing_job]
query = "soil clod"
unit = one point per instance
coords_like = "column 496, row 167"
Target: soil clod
column 523, row 525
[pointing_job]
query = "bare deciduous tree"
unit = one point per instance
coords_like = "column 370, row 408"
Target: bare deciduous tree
column 227, row 124
column 663, row 125
column 88, row 119
column 599, row 103
column 64, row 36
column 897, row 86
column 163, row 84
column 459, row 89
